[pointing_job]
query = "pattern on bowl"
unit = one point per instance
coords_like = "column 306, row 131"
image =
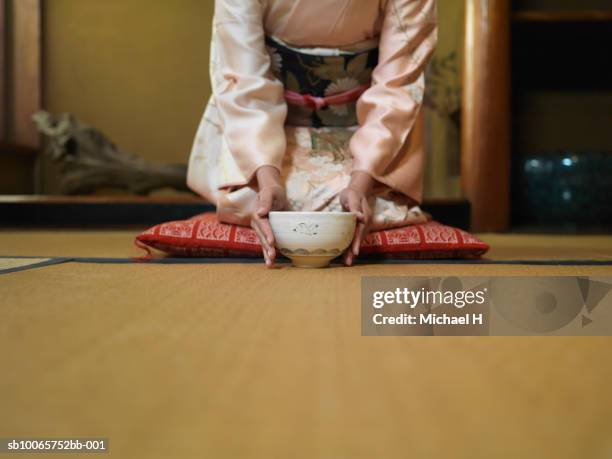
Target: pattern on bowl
column 307, row 229
column 315, row 252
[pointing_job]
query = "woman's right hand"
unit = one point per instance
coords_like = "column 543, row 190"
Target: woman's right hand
column 271, row 197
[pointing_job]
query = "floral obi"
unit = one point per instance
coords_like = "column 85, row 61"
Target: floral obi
column 322, row 86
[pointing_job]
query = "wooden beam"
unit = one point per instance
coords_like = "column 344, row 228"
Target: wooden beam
column 485, row 136
column 26, row 71
column 3, row 70
column 563, row 16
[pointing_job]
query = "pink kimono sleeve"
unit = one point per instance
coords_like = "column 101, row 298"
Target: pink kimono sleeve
column 249, row 98
column 388, row 110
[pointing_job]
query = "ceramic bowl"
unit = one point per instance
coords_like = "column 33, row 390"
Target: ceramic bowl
column 312, row 239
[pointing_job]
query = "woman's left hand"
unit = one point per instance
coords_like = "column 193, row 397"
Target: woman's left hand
column 354, row 198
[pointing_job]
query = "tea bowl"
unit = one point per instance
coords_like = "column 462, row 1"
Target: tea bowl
column 312, row 239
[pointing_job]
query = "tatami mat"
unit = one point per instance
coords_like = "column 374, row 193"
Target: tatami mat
column 9, row 265
column 230, row 361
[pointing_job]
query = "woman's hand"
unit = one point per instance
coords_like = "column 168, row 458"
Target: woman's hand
column 271, row 197
column 354, row 198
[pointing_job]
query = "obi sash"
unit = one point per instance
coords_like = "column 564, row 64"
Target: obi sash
column 322, row 89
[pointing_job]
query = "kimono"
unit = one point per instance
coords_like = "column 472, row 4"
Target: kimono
column 316, row 89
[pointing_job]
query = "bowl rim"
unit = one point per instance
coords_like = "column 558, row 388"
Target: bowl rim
column 292, row 212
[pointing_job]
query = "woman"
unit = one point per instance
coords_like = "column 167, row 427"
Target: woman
column 315, row 106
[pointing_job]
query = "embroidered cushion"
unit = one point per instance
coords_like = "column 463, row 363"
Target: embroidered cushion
column 204, row 236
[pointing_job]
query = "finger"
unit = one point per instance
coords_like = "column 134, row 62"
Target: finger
column 269, row 261
column 362, row 235
column 256, row 225
column 266, row 229
column 266, row 257
column 264, row 248
column 354, row 205
column 366, row 209
column 359, row 237
column 362, row 228
column 265, row 201
column 268, row 236
column 347, row 258
column 349, row 201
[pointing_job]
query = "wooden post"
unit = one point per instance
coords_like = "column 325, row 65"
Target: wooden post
column 3, row 101
column 485, row 136
column 26, row 71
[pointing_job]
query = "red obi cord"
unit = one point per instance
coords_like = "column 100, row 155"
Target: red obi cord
column 317, row 103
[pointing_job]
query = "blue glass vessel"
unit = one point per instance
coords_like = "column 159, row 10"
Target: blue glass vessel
column 563, row 187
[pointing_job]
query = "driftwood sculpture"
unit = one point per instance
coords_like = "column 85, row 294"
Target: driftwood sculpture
column 90, row 161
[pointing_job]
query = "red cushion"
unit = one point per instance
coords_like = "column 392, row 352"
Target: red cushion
column 204, row 236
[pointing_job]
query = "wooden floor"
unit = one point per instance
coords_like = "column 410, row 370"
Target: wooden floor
column 235, row 361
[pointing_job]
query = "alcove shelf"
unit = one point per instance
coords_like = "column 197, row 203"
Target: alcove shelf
column 561, row 83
